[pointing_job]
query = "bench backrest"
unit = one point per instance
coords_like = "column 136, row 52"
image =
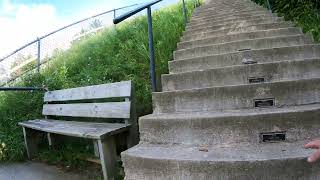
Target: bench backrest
column 56, row 101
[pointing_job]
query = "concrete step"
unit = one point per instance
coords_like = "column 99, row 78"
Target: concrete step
column 242, row 74
column 296, row 123
column 239, row 36
column 278, row 94
column 225, row 8
column 212, row 20
column 268, row 162
column 226, row 22
column 233, row 4
column 232, row 26
column 251, row 44
column 235, row 30
column 232, row 15
column 238, row 58
column 221, row 13
column 228, row 17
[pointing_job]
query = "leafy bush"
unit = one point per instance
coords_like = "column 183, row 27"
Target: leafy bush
column 110, row 56
column 305, row 13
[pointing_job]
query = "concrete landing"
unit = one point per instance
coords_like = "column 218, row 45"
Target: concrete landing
column 35, row 171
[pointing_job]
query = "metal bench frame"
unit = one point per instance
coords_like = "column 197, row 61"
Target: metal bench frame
column 61, row 103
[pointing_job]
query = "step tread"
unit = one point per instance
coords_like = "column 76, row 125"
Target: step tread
column 225, row 153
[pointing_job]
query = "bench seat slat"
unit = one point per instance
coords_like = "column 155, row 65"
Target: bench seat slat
column 95, row 110
column 88, row 130
column 112, row 90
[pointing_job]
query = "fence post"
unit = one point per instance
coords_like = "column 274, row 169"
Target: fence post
column 185, row 12
column 151, row 50
column 114, row 16
column 38, row 56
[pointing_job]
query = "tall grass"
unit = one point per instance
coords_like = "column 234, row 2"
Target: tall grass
column 110, row 56
column 305, row 13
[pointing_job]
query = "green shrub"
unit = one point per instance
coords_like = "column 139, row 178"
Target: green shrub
column 305, row 13
column 110, row 56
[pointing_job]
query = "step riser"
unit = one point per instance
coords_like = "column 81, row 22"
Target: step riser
column 196, row 35
column 260, row 56
column 226, row 22
column 229, row 17
column 237, row 75
column 146, row 169
column 224, row 130
column 238, row 37
column 238, row 45
column 238, row 97
column 233, row 26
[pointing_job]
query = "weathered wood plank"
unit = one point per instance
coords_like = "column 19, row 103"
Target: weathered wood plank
column 107, row 149
column 120, row 89
column 96, row 110
column 76, row 129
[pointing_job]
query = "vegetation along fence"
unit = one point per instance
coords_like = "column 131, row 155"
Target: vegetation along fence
column 31, row 57
column 36, row 55
column 150, row 33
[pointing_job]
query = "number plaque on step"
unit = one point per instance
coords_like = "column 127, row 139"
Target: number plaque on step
column 253, row 80
column 273, row 137
column 264, row 103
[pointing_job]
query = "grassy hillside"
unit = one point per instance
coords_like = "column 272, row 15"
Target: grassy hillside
column 305, row 13
column 110, row 56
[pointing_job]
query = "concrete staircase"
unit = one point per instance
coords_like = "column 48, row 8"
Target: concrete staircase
column 241, row 99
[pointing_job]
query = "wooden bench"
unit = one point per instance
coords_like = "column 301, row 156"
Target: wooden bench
column 106, row 101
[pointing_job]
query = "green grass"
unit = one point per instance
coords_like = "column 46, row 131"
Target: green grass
column 305, row 13
column 109, row 56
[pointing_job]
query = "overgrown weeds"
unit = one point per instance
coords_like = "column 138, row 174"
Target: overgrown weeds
column 305, row 13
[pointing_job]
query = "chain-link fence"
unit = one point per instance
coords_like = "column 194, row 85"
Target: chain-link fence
column 35, row 56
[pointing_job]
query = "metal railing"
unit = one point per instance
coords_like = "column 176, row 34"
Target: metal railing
column 37, row 50
column 150, row 33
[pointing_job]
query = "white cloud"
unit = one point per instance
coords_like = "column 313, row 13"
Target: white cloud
column 22, row 23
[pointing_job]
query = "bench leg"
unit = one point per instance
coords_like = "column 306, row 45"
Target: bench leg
column 107, row 151
column 54, row 140
column 31, row 141
column 96, row 149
